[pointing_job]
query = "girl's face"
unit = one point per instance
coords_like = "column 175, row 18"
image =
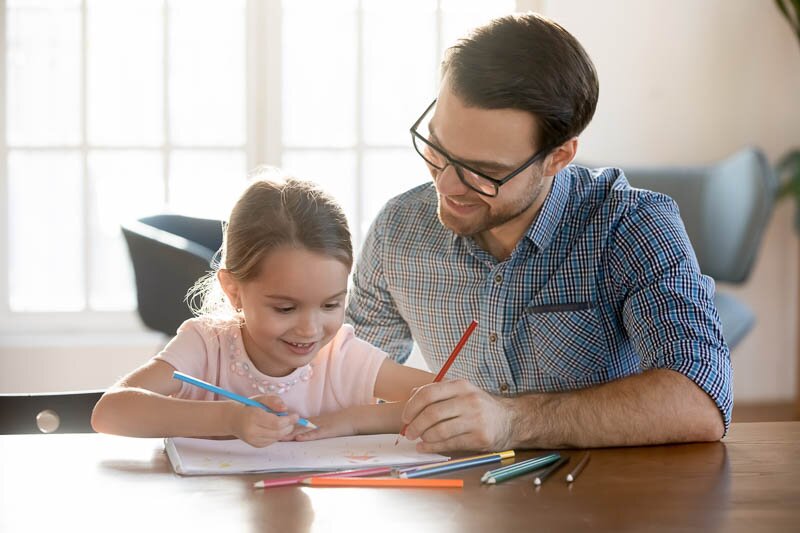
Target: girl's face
column 292, row 308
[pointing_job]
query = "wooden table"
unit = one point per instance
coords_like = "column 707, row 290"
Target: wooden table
column 748, row 482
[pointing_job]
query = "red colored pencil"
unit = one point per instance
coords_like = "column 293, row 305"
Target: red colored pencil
column 295, row 480
column 447, row 364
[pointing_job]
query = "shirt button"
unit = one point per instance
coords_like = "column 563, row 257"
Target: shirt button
column 504, row 387
column 492, row 337
column 498, row 279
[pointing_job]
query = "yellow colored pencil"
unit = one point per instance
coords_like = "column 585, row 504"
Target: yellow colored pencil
column 382, row 482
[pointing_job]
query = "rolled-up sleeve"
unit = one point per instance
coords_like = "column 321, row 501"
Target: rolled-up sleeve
column 668, row 309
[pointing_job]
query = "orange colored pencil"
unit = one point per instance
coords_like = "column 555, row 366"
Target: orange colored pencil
column 447, row 364
column 383, row 482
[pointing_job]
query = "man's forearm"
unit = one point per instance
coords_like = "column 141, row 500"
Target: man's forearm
column 657, row 406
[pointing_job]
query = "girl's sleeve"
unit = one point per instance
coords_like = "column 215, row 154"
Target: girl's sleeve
column 353, row 369
column 188, row 352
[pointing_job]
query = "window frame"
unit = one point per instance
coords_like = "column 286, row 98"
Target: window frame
column 263, row 145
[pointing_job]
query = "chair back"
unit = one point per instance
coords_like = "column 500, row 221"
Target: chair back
column 169, row 254
column 63, row 412
column 725, row 208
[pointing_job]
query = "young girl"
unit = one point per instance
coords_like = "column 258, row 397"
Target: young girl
column 274, row 332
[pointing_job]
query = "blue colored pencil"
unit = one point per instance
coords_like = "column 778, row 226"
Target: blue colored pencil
column 456, row 465
column 233, row 396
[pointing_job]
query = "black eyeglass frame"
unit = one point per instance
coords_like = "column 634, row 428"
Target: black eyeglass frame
column 458, row 165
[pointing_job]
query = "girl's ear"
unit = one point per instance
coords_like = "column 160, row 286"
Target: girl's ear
column 230, row 287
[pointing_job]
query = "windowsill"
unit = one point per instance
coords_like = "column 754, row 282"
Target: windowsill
column 82, row 339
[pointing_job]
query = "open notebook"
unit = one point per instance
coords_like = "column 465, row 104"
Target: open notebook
column 204, row 456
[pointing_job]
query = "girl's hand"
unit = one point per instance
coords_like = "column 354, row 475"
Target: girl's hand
column 259, row 428
column 338, row 424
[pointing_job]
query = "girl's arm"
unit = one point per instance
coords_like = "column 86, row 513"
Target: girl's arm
column 140, row 405
column 394, row 383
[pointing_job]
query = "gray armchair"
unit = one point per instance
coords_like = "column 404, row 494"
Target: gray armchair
column 725, row 208
column 169, row 254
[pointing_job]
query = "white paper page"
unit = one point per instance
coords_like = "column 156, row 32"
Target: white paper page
column 203, row 456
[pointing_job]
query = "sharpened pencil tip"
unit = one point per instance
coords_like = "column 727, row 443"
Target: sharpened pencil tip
column 397, row 440
column 258, row 485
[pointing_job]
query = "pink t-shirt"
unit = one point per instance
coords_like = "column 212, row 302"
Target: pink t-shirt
column 343, row 374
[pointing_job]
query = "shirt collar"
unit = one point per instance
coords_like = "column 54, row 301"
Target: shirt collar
column 547, row 221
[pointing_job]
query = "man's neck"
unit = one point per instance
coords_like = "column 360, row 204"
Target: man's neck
column 501, row 241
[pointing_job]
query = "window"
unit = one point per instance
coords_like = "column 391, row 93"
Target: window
column 118, row 109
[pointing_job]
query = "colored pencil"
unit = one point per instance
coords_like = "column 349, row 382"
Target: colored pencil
column 382, row 482
column 508, row 454
column 447, row 364
column 572, row 476
column 544, row 474
column 508, row 472
column 457, row 465
column 537, row 462
column 295, row 480
column 233, row 396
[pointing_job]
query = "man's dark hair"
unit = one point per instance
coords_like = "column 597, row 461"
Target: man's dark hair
column 526, row 62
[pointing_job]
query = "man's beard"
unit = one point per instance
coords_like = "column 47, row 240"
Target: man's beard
column 473, row 226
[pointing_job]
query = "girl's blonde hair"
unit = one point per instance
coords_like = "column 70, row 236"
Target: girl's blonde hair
column 274, row 211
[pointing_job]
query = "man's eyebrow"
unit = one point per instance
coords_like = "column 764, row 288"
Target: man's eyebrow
column 478, row 164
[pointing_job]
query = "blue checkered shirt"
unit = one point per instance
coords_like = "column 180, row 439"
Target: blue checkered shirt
column 603, row 285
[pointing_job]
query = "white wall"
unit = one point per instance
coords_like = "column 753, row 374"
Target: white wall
column 690, row 81
column 682, row 82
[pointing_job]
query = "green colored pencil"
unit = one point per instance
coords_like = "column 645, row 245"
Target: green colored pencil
column 542, row 460
column 502, row 474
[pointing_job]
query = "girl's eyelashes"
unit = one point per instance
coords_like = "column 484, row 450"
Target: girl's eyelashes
column 283, row 310
column 333, row 305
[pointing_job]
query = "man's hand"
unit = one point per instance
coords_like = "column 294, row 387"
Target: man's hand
column 457, row 415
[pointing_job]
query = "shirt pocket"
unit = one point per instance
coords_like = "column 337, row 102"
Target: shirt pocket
column 567, row 338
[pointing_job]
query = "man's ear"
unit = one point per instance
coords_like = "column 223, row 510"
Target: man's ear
column 560, row 157
column 230, row 287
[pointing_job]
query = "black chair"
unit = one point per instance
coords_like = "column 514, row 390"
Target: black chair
column 725, row 208
column 169, row 254
column 63, row 412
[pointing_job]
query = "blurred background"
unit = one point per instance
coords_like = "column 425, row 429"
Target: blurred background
column 116, row 109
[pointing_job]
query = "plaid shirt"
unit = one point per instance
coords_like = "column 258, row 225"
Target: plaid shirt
column 603, row 285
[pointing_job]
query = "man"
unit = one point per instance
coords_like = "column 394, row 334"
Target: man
column 596, row 327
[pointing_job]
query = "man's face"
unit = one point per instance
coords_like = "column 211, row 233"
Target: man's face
column 495, row 142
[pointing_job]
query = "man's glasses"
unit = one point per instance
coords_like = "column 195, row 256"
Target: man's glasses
column 438, row 159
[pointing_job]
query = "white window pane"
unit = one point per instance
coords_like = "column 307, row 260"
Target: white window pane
column 45, row 231
column 400, row 68
column 43, row 68
column 460, row 16
column 206, row 183
column 125, row 72
column 319, row 73
column 207, row 72
column 124, row 185
column 387, row 173
column 333, row 170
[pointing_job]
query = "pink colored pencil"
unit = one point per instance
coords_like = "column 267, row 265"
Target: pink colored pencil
column 295, row 480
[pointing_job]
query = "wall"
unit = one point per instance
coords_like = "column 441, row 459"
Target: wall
column 688, row 82
column 682, row 82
